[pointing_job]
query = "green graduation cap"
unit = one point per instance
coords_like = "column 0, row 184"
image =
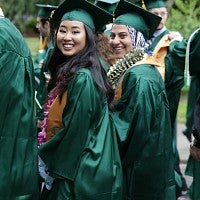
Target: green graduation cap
column 155, row 4
column 84, row 11
column 45, row 10
column 132, row 15
column 108, row 5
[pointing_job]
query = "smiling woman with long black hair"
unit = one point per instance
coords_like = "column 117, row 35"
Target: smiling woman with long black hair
column 81, row 151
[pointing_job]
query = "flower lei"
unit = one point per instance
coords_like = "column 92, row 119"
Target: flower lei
column 47, row 105
column 117, row 70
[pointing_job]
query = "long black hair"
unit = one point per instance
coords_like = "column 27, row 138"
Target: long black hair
column 63, row 68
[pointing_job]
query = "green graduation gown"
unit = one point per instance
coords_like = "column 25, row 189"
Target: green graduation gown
column 193, row 93
column 176, row 60
column 193, row 166
column 194, row 66
column 83, row 156
column 178, row 53
column 41, row 82
column 18, row 139
column 143, row 124
column 175, row 67
column 174, row 81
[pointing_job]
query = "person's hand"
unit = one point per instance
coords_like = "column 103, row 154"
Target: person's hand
column 174, row 35
column 195, row 152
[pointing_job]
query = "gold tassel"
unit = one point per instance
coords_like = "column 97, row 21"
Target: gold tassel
column 143, row 5
column 43, row 43
column 113, row 17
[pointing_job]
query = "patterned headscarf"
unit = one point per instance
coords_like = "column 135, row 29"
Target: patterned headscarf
column 137, row 38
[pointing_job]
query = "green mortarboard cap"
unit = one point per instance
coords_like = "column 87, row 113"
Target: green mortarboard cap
column 132, row 15
column 108, row 5
column 45, row 10
column 155, row 4
column 84, row 11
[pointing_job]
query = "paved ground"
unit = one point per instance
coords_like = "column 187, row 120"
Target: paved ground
column 183, row 148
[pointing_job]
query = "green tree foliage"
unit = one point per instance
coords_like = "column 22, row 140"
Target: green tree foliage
column 22, row 12
column 184, row 16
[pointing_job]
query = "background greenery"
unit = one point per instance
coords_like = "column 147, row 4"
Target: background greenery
column 181, row 115
column 184, row 14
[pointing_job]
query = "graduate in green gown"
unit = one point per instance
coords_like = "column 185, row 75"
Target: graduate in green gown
column 192, row 46
column 183, row 55
column 194, row 90
column 158, row 7
column 142, row 110
column 81, row 150
column 174, row 79
column 43, row 26
column 18, row 139
column 193, row 167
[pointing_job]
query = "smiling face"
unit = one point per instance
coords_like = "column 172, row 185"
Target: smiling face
column 120, row 40
column 71, row 37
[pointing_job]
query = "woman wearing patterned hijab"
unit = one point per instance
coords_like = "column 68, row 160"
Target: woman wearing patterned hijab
column 142, row 114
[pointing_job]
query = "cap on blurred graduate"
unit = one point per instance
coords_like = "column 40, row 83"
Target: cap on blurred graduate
column 45, row 10
column 140, row 19
column 84, row 11
column 155, row 4
column 108, row 5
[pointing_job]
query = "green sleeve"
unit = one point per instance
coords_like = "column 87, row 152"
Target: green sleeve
column 177, row 50
column 18, row 143
column 82, row 103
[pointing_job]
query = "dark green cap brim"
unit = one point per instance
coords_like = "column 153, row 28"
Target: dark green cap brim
column 108, row 5
column 45, row 10
column 132, row 15
column 155, row 4
column 99, row 16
